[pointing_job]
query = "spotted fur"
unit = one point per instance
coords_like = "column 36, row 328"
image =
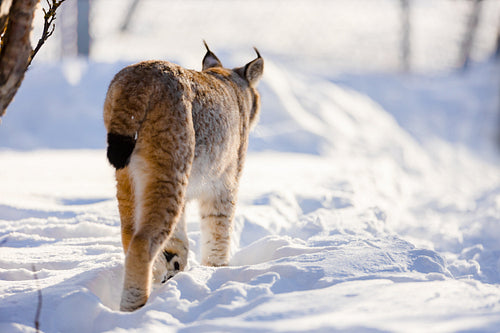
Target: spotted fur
column 175, row 135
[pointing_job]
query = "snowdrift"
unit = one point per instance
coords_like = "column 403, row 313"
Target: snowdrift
column 351, row 216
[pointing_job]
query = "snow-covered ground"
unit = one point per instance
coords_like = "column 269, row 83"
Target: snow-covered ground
column 369, row 202
column 348, row 219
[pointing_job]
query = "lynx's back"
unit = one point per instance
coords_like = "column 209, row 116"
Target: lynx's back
column 173, row 135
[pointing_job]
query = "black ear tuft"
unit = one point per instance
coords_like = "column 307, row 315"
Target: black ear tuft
column 254, row 69
column 210, row 60
column 120, row 147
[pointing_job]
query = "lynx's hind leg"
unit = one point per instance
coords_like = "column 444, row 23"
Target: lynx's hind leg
column 173, row 256
column 125, row 196
column 217, row 212
column 160, row 200
column 160, row 168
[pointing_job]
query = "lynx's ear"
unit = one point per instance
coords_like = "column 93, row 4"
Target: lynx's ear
column 253, row 71
column 210, row 60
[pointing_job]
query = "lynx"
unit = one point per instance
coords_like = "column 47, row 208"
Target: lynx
column 176, row 135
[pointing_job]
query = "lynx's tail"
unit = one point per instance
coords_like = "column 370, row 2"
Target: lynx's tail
column 120, row 148
column 124, row 110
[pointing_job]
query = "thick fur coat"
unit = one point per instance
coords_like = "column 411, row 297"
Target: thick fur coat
column 175, row 135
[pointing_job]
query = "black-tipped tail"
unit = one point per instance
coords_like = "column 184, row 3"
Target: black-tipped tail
column 120, row 147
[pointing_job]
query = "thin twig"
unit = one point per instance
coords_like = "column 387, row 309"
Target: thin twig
column 48, row 25
column 39, row 305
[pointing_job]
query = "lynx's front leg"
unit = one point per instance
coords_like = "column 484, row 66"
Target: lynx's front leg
column 217, row 214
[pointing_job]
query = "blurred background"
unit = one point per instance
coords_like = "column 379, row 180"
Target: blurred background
column 431, row 64
column 322, row 35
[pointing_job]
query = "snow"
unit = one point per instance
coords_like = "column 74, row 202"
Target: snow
column 369, row 202
column 347, row 220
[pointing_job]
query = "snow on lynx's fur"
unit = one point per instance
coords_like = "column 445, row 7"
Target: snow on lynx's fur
column 174, row 135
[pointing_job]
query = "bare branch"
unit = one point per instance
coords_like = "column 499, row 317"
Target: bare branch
column 48, row 25
column 39, row 303
column 16, row 50
column 4, row 13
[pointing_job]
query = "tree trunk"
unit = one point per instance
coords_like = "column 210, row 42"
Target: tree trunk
column 470, row 34
column 83, row 34
column 130, row 12
column 4, row 13
column 16, row 50
column 405, row 35
column 497, row 48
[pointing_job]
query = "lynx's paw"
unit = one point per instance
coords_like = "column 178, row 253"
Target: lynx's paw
column 167, row 264
column 215, row 262
column 133, row 299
